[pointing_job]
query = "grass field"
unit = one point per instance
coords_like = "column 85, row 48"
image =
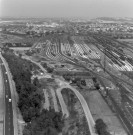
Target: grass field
column 10, row 38
column 100, row 109
column 127, row 40
column 128, row 52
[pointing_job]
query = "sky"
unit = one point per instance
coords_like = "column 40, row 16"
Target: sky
column 66, row 8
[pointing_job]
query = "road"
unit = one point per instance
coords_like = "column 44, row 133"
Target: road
column 90, row 120
column 88, row 115
column 2, row 103
column 28, row 58
column 8, row 120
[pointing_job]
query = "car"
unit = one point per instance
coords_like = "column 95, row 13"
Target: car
column 6, row 80
column 41, row 73
column 6, row 96
column 5, row 72
column 10, row 99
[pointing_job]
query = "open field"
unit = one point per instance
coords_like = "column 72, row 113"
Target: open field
column 9, row 38
column 20, row 48
column 100, row 109
column 127, row 40
column 128, row 52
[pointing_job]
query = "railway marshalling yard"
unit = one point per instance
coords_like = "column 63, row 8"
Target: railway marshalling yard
column 94, row 56
column 88, row 57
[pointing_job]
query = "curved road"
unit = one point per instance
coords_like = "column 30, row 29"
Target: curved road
column 90, row 120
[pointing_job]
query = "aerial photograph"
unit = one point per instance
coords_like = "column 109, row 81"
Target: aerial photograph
column 66, row 67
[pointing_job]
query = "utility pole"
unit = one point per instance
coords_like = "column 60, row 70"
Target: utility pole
column 107, row 90
column 104, row 59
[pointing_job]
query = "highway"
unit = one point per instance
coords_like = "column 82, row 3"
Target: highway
column 8, row 118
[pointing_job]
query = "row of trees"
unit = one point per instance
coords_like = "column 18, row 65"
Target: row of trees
column 49, row 69
column 48, row 123
column 79, row 81
column 30, row 97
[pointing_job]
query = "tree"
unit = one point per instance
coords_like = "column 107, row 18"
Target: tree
column 63, row 31
column 94, row 79
column 29, row 99
column 97, row 86
column 66, row 77
column 36, row 82
column 50, row 70
column 50, row 131
column 44, row 65
column 47, row 33
column 83, row 82
column 101, row 127
column 27, row 130
column 47, row 123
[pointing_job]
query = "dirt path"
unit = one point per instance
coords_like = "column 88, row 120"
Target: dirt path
column 46, row 104
column 62, row 103
column 54, row 100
